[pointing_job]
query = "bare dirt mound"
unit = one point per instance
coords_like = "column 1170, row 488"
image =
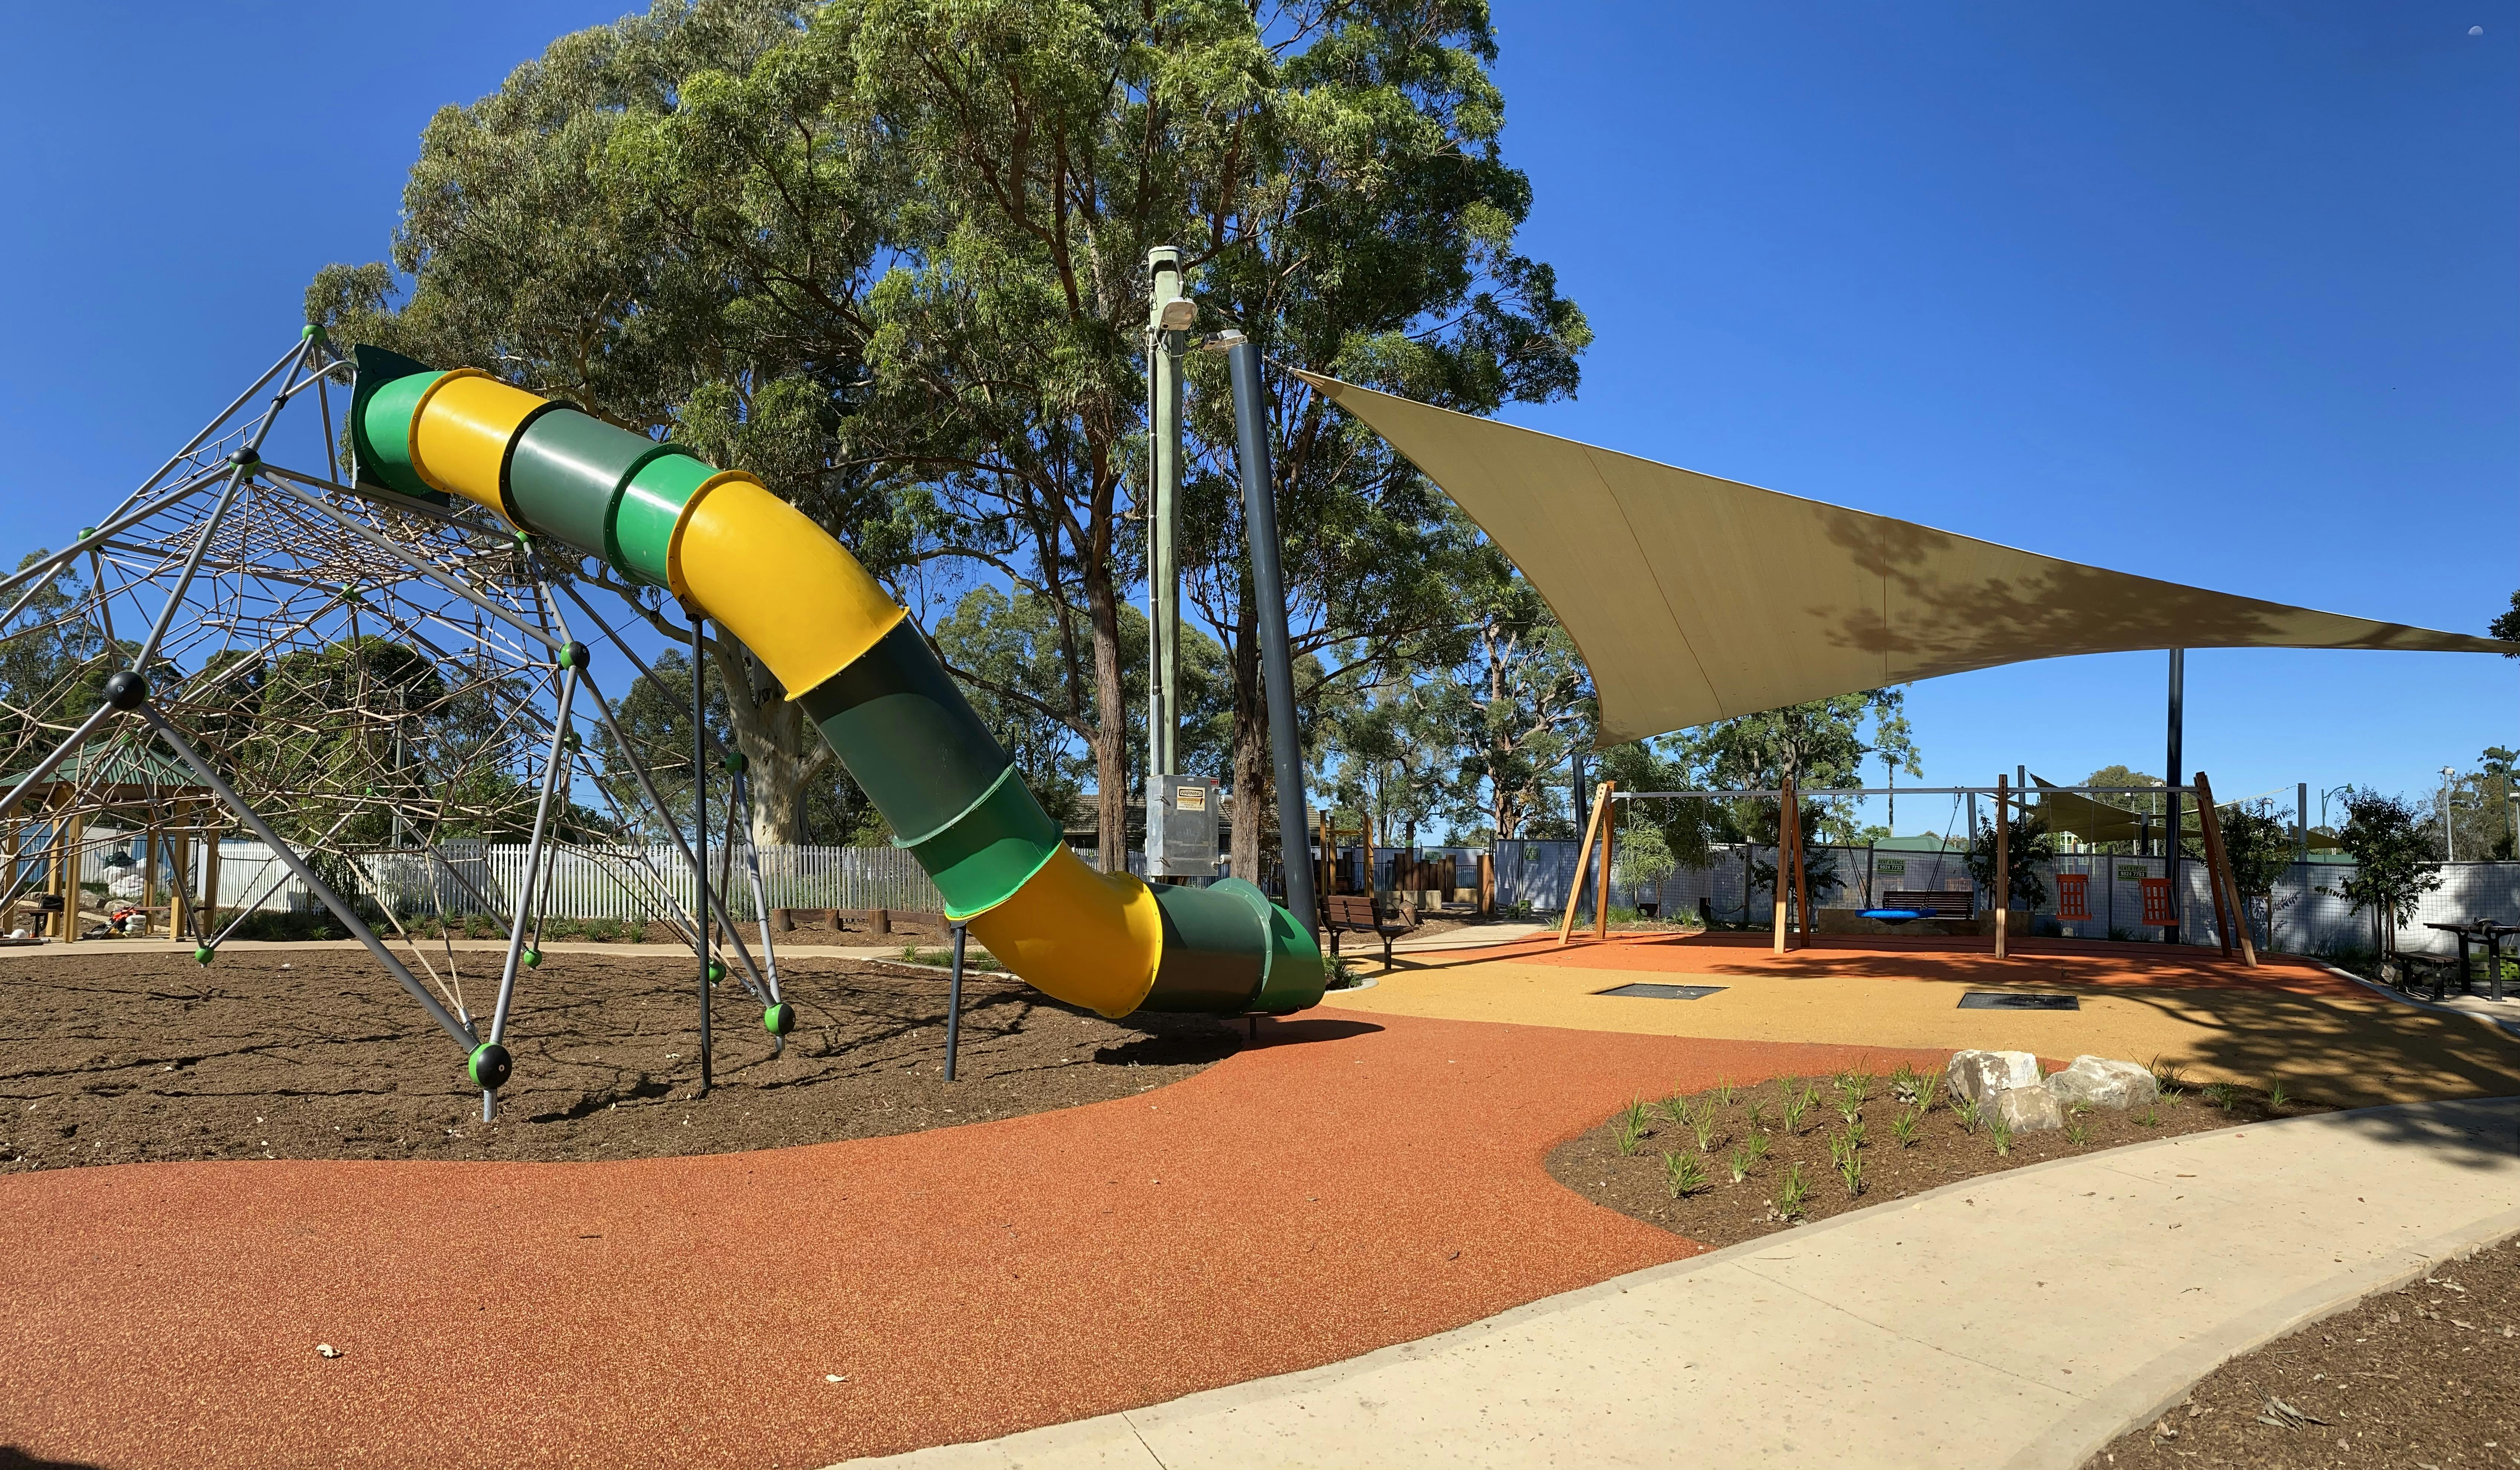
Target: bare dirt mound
column 110, row 1059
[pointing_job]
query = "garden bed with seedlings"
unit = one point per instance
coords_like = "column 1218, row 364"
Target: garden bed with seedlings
column 114, row 1059
column 1734, row 1163
column 2428, row 1375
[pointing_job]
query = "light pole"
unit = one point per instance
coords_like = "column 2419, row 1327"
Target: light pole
column 2344, row 791
column 2449, row 843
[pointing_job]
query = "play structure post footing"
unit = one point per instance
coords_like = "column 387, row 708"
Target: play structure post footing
column 954, row 1001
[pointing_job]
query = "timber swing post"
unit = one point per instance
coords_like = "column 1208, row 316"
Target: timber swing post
column 2220, row 877
column 1583, row 861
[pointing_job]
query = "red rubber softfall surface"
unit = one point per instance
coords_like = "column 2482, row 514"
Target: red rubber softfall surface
column 1348, row 1184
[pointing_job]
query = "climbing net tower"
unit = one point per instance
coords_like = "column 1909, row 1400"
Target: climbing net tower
column 363, row 680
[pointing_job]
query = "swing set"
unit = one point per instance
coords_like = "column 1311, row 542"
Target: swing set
column 1793, row 892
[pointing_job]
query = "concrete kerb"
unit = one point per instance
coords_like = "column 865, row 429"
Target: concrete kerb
column 2161, row 1385
column 2134, row 1399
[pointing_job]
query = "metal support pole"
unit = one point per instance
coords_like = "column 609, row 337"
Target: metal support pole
column 700, row 835
column 1277, row 663
column 553, row 762
column 297, row 866
column 954, row 1001
column 2300, row 824
column 2178, row 754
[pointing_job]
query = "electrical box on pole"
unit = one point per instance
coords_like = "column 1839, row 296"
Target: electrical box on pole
column 1180, row 827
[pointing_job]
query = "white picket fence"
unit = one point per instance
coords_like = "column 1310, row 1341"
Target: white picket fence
column 632, row 883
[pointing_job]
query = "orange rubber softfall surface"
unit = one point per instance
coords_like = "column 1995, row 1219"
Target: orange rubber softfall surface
column 1351, row 1183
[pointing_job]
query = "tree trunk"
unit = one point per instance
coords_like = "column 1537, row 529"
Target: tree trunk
column 1110, row 722
column 781, row 747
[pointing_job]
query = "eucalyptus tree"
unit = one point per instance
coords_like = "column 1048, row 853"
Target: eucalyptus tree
column 1518, row 702
column 889, row 256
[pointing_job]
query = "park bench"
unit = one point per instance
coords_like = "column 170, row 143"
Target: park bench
column 1353, row 913
column 1933, row 903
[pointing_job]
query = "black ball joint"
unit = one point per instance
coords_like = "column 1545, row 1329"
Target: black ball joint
column 125, row 690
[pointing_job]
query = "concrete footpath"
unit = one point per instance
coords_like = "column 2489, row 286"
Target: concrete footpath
column 2020, row 1319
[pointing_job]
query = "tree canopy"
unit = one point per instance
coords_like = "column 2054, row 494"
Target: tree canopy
column 890, row 257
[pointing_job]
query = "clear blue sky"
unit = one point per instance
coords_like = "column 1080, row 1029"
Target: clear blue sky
column 2220, row 293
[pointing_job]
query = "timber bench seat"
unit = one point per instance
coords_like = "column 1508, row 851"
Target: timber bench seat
column 1933, row 903
column 1353, row 913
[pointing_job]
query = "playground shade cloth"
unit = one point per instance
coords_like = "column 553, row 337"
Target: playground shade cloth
column 1695, row 599
column 2100, row 822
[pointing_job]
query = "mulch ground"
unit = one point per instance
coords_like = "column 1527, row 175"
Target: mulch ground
column 1633, row 1174
column 113, row 1059
column 2426, row 1377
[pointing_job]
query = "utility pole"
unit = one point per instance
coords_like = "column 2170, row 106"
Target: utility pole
column 1169, row 317
column 2170, row 842
column 2449, row 843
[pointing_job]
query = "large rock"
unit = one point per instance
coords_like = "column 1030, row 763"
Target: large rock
column 2026, row 1110
column 1979, row 1075
column 2102, row 1083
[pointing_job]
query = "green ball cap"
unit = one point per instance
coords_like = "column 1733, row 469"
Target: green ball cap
column 779, row 1020
column 490, row 1066
column 202, row 954
column 533, row 958
column 716, row 972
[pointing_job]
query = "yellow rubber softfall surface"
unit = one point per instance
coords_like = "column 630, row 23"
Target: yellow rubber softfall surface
column 779, row 582
column 1089, row 938
column 2324, row 1037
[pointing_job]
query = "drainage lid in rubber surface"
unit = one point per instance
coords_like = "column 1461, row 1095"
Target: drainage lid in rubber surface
column 2013, row 1000
column 1663, row 992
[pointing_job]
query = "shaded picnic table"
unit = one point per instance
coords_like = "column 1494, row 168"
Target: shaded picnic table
column 2491, row 935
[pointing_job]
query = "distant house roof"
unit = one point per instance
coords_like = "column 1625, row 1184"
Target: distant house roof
column 114, row 763
column 1925, row 842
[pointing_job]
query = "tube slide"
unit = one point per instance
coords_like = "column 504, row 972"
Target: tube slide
column 721, row 542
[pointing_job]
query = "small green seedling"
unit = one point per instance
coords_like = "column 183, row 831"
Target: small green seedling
column 1631, row 1127
column 2220, row 1094
column 1903, row 1130
column 1743, row 1159
column 1999, row 1133
column 1702, row 1124
column 1726, row 1092
column 1850, row 1170
column 1682, row 1175
column 1967, row 1111
column 1797, row 1104
column 2152, row 1115
column 1790, row 1194
column 2077, row 1133
column 1758, row 1117
column 2277, row 1097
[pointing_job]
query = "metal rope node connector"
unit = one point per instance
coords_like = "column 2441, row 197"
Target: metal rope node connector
column 125, row 690
column 574, row 655
column 489, row 1066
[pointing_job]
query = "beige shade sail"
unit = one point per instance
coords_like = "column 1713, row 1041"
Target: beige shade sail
column 1695, row 599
